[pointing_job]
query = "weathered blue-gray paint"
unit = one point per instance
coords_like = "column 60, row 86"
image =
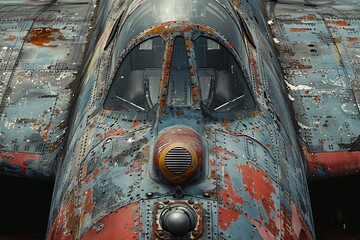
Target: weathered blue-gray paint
column 319, row 50
column 253, row 181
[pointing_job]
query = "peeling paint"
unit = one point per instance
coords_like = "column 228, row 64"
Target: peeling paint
column 227, row 216
column 42, row 36
column 122, row 224
column 299, row 29
column 342, row 23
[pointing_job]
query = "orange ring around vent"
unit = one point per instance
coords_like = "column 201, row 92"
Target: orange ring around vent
column 180, row 177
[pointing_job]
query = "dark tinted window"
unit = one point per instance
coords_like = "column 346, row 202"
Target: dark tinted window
column 136, row 84
column 222, row 82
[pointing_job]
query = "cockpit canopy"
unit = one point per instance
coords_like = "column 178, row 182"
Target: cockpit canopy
column 222, row 83
column 149, row 13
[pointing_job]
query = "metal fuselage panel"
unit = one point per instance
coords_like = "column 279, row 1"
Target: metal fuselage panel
column 253, row 181
column 41, row 52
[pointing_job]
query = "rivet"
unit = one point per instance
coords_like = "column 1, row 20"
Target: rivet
column 191, row 201
column 149, row 194
column 196, row 206
column 160, row 206
column 206, row 194
column 166, row 201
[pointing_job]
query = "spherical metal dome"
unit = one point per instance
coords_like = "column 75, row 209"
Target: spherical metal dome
column 178, row 220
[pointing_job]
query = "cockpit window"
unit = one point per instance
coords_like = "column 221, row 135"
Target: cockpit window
column 222, row 82
column 137, row 82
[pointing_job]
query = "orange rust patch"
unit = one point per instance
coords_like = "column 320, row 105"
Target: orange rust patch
column 42, row 36
column 46, row 131
column 93, row 174
column 164, row 83
column 136, row 124
column 114, row 133
column 88, row 200
column 165, row 29
column 317, row 99
column 297, row 64
column 341, row 23
column 10, row 38
column 227, row 216
column 255, row 72
column 353, row 39
column 299, row 29
column 226, row 123
column 337, row 40
column 236, row 3
column 195, row 93
column 219, row 150
column 309, row 16
column 310, row 160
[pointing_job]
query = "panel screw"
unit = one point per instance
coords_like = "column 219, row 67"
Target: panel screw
column 206, row 194
column 149, row 194
column 196, row 206
column 191, row 201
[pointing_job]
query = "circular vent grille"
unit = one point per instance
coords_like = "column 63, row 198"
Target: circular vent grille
column 178, row 160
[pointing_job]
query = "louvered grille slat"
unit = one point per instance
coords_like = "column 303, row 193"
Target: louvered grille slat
column 178, row 160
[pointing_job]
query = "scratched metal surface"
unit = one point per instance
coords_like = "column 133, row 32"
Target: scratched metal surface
column 254, row 186
column 41, row 51
column 319, row 49
column 24, row 2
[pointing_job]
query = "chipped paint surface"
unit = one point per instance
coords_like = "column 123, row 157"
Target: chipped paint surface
column 41, row 52
column 111, row 163
column 251, row 179
column 122, row 224
column 18, row 163
column 41, row 37
column 322, row 74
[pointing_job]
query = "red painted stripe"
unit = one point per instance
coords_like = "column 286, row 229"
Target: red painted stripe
column 121, row 224
column 336, row 163
column 18, row 158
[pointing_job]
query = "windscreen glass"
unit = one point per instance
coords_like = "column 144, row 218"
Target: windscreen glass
column 137, row 82
column 222, row 82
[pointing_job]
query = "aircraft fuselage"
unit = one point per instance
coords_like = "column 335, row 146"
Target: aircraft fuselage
column 181, row 129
